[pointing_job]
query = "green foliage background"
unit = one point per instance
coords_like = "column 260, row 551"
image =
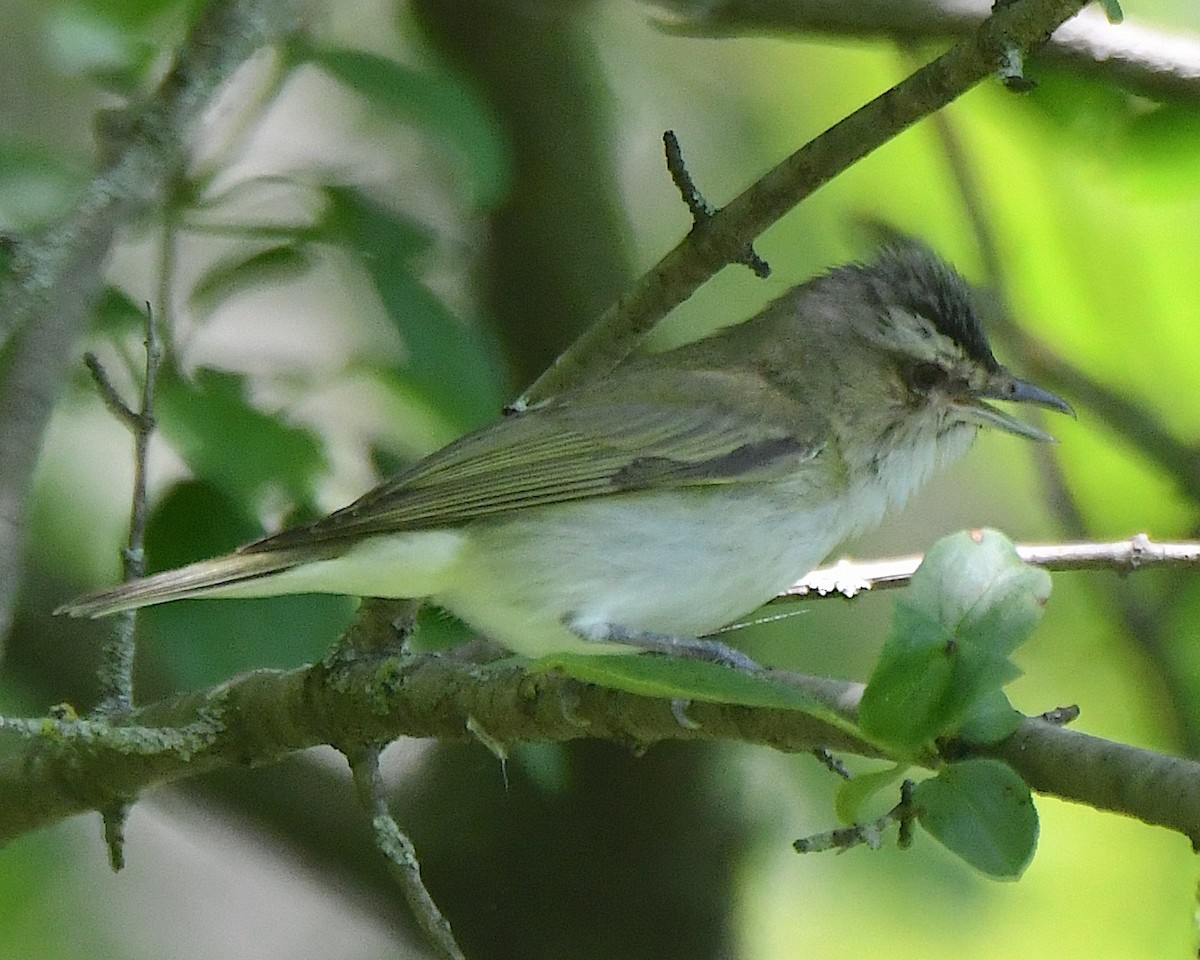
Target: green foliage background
column 380, row 242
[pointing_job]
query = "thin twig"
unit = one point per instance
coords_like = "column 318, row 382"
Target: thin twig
column 871, row 833
column 116, row 669
column 699, row 207
column 115, row 673
column 701, row 210
column 114, row 820
column 135, row 556
column 702, row 253
column 848, row 579
column 399, row 851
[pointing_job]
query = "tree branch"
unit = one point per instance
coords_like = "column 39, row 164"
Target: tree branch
column 1146, row 61
column 849, row 578
column 54, row 767
column 723, row 238
column 51, row 768
column 1154, row 788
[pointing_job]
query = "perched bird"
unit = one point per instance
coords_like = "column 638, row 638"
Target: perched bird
column 672, row 496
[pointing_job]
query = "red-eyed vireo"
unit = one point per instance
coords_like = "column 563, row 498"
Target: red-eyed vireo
column 674, row 495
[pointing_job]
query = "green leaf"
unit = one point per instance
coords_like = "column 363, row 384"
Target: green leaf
column 128, row 13
column 983, row 812
column 860, row 788
column 115, row 315
column 98, row 41
column 35, row 185
column 195, row 519
column 226, row 440
column 201, row 642
column 435, row 102
column 449, row 362
column 241, row 274
column 970, row 604
column 991, row 720
column 678, row 678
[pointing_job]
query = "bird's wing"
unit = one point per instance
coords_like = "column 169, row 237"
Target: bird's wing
column 684, row 428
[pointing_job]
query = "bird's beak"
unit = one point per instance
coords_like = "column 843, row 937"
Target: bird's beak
column 1004, row 386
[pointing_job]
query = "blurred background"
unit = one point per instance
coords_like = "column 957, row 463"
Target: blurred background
column 386, row 231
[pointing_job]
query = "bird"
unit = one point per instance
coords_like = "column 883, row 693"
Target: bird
column 653, row 506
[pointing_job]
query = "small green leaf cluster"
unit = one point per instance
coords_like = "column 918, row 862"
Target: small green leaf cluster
column 940, row 675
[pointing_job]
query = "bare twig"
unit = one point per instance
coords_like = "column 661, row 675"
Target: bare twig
column 725, row 236
column 116, row 665
column 51, row 768
column 1065, row 763
column 116, row 669
column 847, row 578
column 135, row 556
column 700, row 209
column 871, row 834
column 399, row 852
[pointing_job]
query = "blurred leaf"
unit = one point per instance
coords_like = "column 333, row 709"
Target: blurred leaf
column 201, row 642
column 243, row 273
column 433, row 101
column 35, row 185
column 129, row 13
column 981, row 811
column 84, row 41
column 1161, row 143
column 257, row 204
column 115, row 315
column 227, row 441
column 40, row 905
column 678, row 678
column 547, row 765
column 195, row 519
column 450, row 362
column 971, row 602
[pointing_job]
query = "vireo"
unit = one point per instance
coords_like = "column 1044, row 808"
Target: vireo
column 672, row 496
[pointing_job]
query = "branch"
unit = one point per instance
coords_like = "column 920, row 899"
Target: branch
column 1154, row 788
column 399, row 852
column 849, row 578
column 55, row 275
column 51, row 768
column 54, row 767
column 1149, row 62
column 723, row 238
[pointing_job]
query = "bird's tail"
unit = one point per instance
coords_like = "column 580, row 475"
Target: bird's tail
column 233, row 574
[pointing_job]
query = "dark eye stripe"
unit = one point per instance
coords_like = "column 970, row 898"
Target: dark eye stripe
column 925, row 376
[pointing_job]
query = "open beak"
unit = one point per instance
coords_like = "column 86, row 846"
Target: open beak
column 1004, row 386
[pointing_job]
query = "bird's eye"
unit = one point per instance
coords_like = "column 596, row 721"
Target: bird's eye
column 926, row 376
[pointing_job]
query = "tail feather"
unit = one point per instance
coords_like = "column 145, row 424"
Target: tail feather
column 194, row 580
